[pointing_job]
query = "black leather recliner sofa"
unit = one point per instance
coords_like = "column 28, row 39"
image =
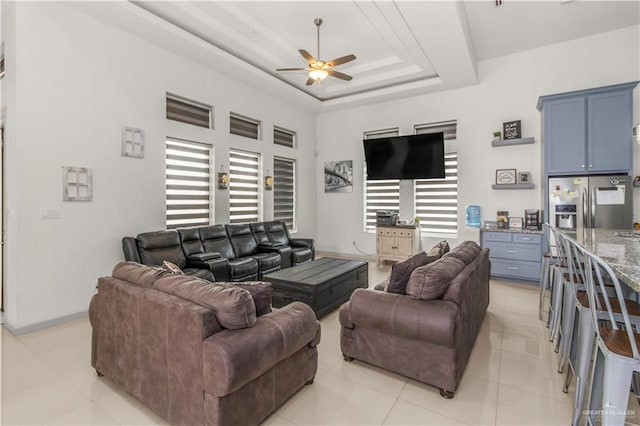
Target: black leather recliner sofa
column 233, row 252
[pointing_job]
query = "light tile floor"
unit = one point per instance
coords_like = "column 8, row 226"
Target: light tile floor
column 511, row 378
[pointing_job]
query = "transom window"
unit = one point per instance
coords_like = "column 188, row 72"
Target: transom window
column 244, row 126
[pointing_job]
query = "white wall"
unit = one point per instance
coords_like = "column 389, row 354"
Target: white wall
column 77, row 81
column 509, row 88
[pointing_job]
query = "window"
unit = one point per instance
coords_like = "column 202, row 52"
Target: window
column 190, row 112
column 436, row 200
column 284, row 191
column 380, row 194
column 244, row 126
column 188, row 166
column 284, row 137
column 244, row 189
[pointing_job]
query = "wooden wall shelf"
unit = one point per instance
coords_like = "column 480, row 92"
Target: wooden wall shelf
column 514, row 186
column 509, row 142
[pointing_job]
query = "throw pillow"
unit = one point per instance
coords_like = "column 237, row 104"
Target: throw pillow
column 439, row 249
column 401, row 271
column 466, row 252
column 260, row 292
column 171, row 267
column 431, row 281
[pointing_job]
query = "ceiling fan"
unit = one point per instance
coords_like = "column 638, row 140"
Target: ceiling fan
column 318, row 69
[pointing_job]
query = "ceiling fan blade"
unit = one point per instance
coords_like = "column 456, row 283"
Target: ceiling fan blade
column 306, row 55
column 291, row 69
column 310, row 81
column 341, row 60
column 339, row 75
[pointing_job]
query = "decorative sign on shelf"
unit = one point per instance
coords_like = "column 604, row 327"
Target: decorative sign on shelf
column 512, row 129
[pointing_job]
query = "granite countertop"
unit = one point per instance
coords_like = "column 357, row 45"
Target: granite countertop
column 620, row 248
column 519, row 231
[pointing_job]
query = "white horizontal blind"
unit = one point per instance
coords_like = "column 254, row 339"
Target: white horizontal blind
column 284, row 137
column 188, row 183
column 436, row 200
column 190, row 112
column 379, row 194
column 244, row 126
column 284, row 191
column 244, row 188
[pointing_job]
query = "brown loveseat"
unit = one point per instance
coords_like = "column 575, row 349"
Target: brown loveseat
column 197, row 352
column 428, row 333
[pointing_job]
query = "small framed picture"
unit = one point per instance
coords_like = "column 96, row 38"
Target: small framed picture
column 512, row 129
column 505, row 176
column 524, row 177
column 515, row 223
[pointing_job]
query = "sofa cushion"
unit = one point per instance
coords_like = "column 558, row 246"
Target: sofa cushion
column 171, row 267
column 466, row 252
column 140, row 275
column 233, row 306
column 154, row 247
column 401, row 271
column 260, row 292
column 431, row 281
column 440, row 249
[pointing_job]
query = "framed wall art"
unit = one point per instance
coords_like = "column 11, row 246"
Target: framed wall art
column 338, row 176
column 505, row 176
column 77, row 184
column 132, row 142
column 515, row 223
column 524, row 177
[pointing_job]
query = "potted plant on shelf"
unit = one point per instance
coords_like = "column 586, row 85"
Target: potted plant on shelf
column 497, row 135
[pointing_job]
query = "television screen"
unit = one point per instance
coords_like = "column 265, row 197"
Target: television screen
column 405, row 157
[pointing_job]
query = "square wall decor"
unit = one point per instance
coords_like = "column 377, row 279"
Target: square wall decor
column 77, row 184
column 132, row 142
column 338, row 176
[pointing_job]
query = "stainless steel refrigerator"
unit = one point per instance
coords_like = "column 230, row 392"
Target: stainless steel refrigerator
column 578, row 202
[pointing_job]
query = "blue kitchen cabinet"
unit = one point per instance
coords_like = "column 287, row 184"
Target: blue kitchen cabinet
column 514, row 254
column 588, row 132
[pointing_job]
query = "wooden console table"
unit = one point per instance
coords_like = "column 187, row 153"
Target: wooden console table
column 397, row 243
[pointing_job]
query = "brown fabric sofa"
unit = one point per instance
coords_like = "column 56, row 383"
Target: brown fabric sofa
column 428, row 333
column 197, row 352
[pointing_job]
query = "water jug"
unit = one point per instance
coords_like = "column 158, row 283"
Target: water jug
column 473, row 216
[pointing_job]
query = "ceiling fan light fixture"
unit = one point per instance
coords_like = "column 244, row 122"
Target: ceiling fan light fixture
column 318, row 74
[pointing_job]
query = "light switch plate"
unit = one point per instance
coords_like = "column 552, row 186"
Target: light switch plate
column 50, row 213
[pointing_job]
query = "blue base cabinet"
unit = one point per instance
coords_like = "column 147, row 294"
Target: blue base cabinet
column 514, row 254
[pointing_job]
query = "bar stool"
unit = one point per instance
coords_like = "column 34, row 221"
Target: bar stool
column 616, row 356
column 548, row 261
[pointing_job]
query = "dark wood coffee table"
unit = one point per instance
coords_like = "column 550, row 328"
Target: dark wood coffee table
column 324, row 284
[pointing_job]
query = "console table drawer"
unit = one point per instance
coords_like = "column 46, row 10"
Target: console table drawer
column 527, row 238
column 514, row 252
column 515, row 269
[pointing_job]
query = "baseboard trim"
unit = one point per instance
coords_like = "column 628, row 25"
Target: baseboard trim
column 17, row 331
column 345, row 255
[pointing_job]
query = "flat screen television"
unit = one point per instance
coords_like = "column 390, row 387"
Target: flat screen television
column 405, row 157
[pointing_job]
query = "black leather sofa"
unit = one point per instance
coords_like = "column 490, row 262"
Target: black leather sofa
column 232, row 252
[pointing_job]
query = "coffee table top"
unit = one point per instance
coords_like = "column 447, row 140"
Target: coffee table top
column 317, row 271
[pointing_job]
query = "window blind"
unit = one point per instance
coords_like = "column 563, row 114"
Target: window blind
column 380, row 194
column 284, row 137
column 244, row 189
column 244, row 126
column 188, row 190
column 436, row 200
column 284, row 191
column 190, row 112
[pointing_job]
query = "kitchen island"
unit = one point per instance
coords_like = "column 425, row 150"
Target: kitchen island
column 620, row 248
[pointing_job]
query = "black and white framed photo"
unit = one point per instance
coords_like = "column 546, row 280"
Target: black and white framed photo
column 505, row 176
column 524, row 177
column 338, row 176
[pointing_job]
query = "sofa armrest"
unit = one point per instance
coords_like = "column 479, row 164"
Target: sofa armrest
column 203, row 257
column 269, row 245
column 434, row 321
column 302, row 242
column 232, row 358
column 219, row 267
